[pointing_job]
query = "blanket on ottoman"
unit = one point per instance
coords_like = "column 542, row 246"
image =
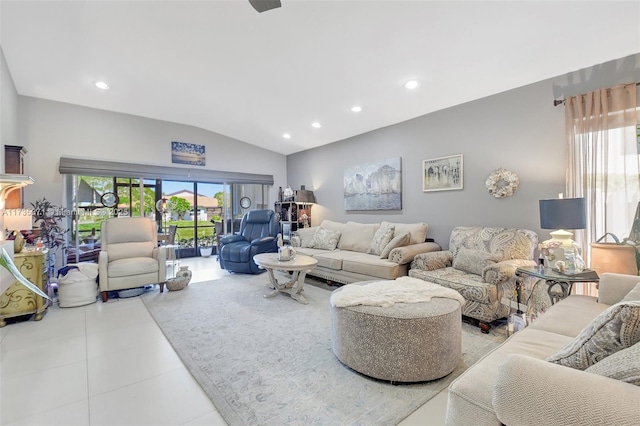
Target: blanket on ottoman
column 386, row 293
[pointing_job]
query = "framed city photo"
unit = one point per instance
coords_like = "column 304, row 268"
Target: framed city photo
column 442, row 174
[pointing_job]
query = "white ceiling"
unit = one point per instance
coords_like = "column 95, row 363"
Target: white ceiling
column 222, row 66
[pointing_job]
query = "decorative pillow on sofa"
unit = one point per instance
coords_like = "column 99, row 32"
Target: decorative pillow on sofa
column 417, row 231
column 397, row 241
column 324, row 239
column 381, row 238
column 333, row 226
column 615, row 329
column 623, row 365
column 473, row 261
column 306, row 235
column 357, row 236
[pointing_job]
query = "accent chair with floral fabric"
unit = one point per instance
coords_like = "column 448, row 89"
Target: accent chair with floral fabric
column 480, row 264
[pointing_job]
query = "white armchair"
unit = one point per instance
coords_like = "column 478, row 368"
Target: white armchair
column 130, row 256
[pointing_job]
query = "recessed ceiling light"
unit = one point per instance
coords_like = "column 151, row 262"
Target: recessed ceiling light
column 286, row 136
column 411, row 84
column 356, row 108
column 316, row 125
column 101, row 85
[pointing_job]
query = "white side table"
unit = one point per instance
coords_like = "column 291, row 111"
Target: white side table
column 299, row 266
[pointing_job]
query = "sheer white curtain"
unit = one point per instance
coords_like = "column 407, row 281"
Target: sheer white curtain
column 603, row 164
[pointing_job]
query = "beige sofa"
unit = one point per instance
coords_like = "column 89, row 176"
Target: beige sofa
column 352, row 251
column 480, row 265
column 515, row 385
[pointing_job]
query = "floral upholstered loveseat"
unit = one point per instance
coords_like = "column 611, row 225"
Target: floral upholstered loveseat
column 480, row 264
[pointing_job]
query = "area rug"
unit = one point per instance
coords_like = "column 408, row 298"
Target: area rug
column 269, row 361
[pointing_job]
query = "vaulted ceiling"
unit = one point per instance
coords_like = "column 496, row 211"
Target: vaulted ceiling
column 222, row 66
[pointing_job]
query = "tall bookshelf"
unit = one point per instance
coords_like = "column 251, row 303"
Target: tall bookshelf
column 292, row 215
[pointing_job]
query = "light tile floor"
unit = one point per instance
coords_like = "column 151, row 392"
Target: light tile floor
column 109, row 364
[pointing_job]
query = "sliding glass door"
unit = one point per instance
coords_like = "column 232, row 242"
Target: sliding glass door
column 134, row 193
column 195, row 209
column 201, row 211
column 245, row 197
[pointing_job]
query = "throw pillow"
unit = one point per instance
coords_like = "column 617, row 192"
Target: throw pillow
column 381, row 238
column 333, row 226
column 306, row 235
column 397, row 241
column 417, row 231
column 634, row 294
column 615, row 329
column 295, row 241
column 473, row 261
column 325, row 239
column 357, row 236
column 623, row 365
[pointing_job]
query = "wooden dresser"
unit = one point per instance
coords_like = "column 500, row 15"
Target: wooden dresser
column 18, row 300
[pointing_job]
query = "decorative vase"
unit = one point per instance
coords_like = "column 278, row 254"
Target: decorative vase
column 18, row 242
column 286, row 253
column 185, row 273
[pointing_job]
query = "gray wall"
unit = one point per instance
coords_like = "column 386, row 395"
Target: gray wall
column 519, row 130
column 8, row 109
column 51, row 129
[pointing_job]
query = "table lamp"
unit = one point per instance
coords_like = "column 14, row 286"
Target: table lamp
column 562, row 214
column 18, row 220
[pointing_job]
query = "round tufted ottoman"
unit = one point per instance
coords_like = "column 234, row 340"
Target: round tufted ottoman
column 406, row 342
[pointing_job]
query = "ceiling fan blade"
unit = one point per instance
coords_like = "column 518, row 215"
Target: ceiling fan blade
column 264, row 5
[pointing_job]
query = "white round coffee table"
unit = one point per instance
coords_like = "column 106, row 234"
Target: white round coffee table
column 299, row 266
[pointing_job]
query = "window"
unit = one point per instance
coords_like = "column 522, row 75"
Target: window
column 202, row 211
column 603, row 165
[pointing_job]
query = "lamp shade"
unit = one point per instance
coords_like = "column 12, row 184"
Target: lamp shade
column 18, row 220
column 563, row 213
column 305, row 197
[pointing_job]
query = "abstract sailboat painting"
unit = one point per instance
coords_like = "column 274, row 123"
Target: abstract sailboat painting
column 374, row 186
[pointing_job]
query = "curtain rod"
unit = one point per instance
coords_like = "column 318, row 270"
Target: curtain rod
column 557, row 102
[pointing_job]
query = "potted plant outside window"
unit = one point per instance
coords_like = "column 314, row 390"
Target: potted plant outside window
column 206, row 245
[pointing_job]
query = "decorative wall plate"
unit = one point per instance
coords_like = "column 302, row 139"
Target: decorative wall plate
column 502, row 183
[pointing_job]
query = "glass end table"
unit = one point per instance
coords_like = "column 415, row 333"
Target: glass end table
column 558, row 284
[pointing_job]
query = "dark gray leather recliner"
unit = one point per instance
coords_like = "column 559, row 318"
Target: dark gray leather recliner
column 258, row 232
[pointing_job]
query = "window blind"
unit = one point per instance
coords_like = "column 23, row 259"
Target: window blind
column 90, row 167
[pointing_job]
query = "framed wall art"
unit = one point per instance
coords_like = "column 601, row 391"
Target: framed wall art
column 373, row 186
column 442, row 174
column 187, row 153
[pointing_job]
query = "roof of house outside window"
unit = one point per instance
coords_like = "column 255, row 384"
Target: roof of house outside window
column 203, row 200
